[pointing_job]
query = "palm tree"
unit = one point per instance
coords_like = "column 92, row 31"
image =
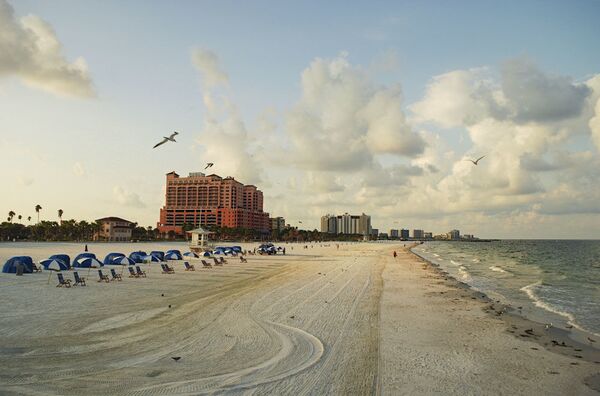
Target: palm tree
column 37, row 209
column 60, row 213
column 11, row 214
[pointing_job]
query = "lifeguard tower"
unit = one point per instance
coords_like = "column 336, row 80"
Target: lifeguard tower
column 199, row 242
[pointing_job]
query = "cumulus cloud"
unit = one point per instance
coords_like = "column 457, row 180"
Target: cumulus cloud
column 207, row 63
column 30, row 50
column 536, row 96
column 127, row 198
column 343, row 120
column 595, row 125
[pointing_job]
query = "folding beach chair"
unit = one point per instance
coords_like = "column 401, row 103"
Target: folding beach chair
column 62, row 281
column 140, row 272
column 243, row 260
column 79, row 280
column 222, row 260
column 206, row 264
column 188, row 266
column 115, row 276
column 102, row 277
column 132, row 273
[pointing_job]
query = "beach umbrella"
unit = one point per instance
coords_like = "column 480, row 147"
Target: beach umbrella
column 111, row 257
column 122, row 260
column 138, row 256
column 173, row 256
column 191, row 254
column 87, row 262
column 207, row 254
column 159, row 254
column 53, row 265
column 152, row 259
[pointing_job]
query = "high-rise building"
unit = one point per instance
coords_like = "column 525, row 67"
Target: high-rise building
column 211, row 201
column 394, row 233
column 454, row 235
column 418, row 234
column 346, row 224
column 428, row 235
column 277, row 223
column 404, row 234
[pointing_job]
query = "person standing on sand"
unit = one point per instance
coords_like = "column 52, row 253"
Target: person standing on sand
column 86, row 247
column 395, row 254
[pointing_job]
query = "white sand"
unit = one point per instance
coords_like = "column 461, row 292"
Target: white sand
column 365, row 324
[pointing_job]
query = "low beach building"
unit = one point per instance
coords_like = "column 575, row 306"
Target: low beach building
column 114, row 229
column 277, row 223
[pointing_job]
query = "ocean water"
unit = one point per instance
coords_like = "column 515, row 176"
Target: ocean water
column 554, row 282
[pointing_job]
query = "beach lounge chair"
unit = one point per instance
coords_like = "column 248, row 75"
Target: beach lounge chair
column 243, row 260
column 79, row 280
column 35, row 268
column 102, row 277
column 115, row 276
column 206, row 264
column 166, row 269
column 222, row 260
column 140, row 272
column 132, row 273
column 188, row 266
column 62, row 281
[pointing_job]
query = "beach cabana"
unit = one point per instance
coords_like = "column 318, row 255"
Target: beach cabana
column 10, row 267
column 138, row 256
column 191, row 254
column 207, row 254
column 54, row 265
column 159, row 254
column 87, row 262
column 173, row 251
column 173, row 256
column 110, row 257
column 62, row 257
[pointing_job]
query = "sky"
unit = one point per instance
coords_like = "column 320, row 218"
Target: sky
column 328, row 107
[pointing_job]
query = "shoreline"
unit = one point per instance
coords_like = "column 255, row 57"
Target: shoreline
column 554, row 339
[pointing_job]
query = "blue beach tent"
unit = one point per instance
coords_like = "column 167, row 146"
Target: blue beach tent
column 62, row 257
column 159, row 254
column 206, row 254
column 110, row 257
column 237, row 249
column 173, row 251
column 138, row 256
column 11, row 265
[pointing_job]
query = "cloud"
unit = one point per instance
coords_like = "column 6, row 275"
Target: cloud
column 535, row 96
column 343, row 120
column 25, row 180
column 127, row 198
column 78, row 169
column 30, row 50
column 207, row 63
column 595, row 125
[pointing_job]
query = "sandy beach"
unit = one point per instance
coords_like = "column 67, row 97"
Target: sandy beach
column 316, row 321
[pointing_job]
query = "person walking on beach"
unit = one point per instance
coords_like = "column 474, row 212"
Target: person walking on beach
column 395, row 254
column 284, row 251
column 86, row 249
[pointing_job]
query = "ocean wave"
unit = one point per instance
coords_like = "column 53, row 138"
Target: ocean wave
column 499, row 269
column 475, row 260
column 538, row 302
column 464, row 274
column 454, row 262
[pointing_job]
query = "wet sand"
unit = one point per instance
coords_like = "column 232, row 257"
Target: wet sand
column 317, row 321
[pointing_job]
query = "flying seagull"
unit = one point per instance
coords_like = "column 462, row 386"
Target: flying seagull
column 176, row 358
column 476, row 161
column 208, row 165
column 167, row 139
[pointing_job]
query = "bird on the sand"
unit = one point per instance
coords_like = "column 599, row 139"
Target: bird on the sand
column 591, row 339
column 171, row 138
column 475, row 162
column 176, row 358
column 208, row 165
